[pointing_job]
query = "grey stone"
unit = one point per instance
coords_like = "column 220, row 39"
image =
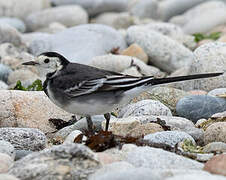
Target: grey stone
column 7, row 177
column 95, row 7
column 218, row 91
column 68, row 161
column 134, row 173
column 145, row 107
column 164, row 52
column 145, row 9
column 12, row 8
column 3, row 85
column 28, row 38
column 22, row 153
column 7, row 148
column 67, row 15
column 197, row 176
column 9, row 34
column 6, row 162
column 214, row 147
column 170, row 138
column 4, row 72
column 79, row 44
column 170, row 8
column 24, row 138
column 155, row 158
column 15, row 22
column 195, row 107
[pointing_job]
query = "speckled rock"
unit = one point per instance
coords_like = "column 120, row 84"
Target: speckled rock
column 7, row 148
column 155, row 158
column 165, row 53
column 170, row 138
column 215, row 133
column 22, row 153
column 216, row 92
column 145, row 107
column 74, row 42
column 195, row 107
column 15, row 22
column 28, row 109
column 117, row 20
column 67, row 15
column 95, row 7
column 120, row 63
column 69, row 161
column 24, row 138
column 6, row 162
column 216, row 165
column 12, row 8
column 215, row 147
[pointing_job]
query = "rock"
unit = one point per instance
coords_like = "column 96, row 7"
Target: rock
column 197, row 92
column 215, row 147
column 69, row 16
column 134, row 173
column 168, row 96
column 7, row 148
column 28, row 109
column 7, row 177
column 24, row 138
column 200, row 122
column 169, row 8
column 135, row 50
column 116, row 20
column 22, row 153
column 71, row 137
column 9, row 34
column 20, row 10
column 15, row 22
column 197, row 176
column 215, row 133
column 145, row 107
column 144, row 9
column 120, row 63
column 81, row 125
column 106, row 158
column 202, row 18
column 219, row 115
column 8, row 49
column 155, row 158
column 173, row 31
column 95, row 7
column 52, row 28
column 68, row 161
column 4, row 72
column 216, row 165
column 3, row 85
column 216, row 92
column 6, row 162
column 164, row 52
column 78, row 44
column 195, row 107
column 170, row 138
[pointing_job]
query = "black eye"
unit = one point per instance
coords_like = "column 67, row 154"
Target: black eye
column 46, row 60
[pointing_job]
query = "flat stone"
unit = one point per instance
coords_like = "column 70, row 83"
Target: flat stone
column 218, row 147
column 69, row 16
column 164, row 52
column 215, row 133
column 145, row 107
column 24, row 138
column 7, row 148
column 68, row 161
column 195, row 107
column 170, row 138
column 79, row 43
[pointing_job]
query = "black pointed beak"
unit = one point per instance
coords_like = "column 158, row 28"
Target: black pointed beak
column 32, row 63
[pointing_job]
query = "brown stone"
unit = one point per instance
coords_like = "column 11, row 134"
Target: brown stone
column 216, row 165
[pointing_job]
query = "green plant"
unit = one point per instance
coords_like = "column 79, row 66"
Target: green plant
column 35, row 86
column 213, row 36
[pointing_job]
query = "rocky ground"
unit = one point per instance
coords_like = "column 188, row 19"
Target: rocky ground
column 172, row 132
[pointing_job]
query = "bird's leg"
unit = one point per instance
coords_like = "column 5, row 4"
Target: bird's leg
column 90, row 124
column 107, row 116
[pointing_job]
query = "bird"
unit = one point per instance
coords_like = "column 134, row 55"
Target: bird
column 86, row 90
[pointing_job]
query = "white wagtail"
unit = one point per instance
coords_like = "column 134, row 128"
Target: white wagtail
column 87, row 91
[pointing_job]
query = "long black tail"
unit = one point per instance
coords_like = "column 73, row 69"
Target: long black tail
column 157, row 81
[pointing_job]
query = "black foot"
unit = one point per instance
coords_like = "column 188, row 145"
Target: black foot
column 107, row 116
column 90, row 124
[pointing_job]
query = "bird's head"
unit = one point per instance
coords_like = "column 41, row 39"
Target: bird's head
column 48, row 62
